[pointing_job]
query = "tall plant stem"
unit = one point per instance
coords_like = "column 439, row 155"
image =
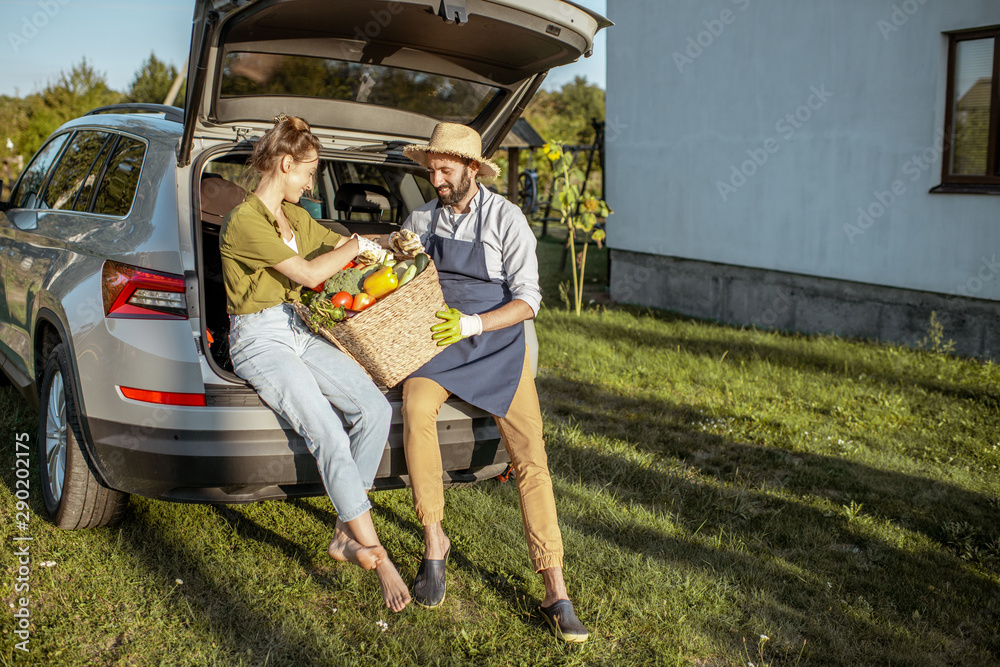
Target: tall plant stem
column 572, row 255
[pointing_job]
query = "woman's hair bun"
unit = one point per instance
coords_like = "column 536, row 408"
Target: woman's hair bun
column 290, row 135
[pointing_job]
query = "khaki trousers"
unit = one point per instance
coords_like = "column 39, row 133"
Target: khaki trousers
column 522, row 433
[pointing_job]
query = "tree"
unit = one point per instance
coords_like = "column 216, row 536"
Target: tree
column 72, row 95
column 152, row 82
column 13, row 120
column 565, row 115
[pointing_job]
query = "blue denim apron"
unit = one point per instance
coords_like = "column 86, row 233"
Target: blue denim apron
column 482, row 370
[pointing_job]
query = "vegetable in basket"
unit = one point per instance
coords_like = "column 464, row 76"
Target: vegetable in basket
column 325, row 314
column 348, row 280
column 382, row 282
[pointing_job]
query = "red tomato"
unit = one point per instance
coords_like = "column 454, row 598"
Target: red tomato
column 342, row 299
column 362, row 301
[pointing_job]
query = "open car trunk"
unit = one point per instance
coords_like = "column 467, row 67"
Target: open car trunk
column 369, row 76
column 370, row 71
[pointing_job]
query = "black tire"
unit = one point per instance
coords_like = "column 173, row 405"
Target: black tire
column 527, row 193
column 74, row 498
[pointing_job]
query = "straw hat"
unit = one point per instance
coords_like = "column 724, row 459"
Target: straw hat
column 458, row 140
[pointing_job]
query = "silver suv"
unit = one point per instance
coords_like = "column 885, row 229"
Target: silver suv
column 112, row 307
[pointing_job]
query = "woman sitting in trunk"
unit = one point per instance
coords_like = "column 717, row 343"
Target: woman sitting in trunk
column 270, row 249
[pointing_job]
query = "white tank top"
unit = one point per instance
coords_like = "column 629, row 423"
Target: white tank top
column 291, row 243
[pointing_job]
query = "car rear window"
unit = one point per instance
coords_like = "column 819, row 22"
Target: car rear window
column 247, row 74
column 121, row 178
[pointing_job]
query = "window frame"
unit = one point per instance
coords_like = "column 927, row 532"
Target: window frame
column 989, row 183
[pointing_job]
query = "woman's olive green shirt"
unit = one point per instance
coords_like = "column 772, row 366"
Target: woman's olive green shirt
column 251, row 245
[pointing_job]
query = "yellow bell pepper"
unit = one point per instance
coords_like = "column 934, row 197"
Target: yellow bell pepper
column 381, row 283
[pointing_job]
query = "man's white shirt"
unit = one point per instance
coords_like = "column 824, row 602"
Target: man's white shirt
column 508, row 240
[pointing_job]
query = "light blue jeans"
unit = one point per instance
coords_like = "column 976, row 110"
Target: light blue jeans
column 325, row 396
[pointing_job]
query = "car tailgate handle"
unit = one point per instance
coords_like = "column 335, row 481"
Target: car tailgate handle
column 454, row 10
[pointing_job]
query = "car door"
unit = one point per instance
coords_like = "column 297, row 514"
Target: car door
column 44, row 229
column 22, row 214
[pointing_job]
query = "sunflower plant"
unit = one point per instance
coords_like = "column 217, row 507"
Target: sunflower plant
column 579, row 212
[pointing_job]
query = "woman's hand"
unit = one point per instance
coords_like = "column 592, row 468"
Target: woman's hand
column 311, row 272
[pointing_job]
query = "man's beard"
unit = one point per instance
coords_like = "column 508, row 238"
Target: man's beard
column 457, row 193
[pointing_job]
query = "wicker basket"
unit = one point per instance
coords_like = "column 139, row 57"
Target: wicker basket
column 391, row 338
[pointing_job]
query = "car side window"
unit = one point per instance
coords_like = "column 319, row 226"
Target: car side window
column 26, row 194
column 121, row 178
column 71, row 174
column 82, row 202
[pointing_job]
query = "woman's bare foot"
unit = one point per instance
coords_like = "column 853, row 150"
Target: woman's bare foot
column 347, row 550
column 395, row 593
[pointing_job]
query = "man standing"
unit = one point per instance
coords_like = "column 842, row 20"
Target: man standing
column 484, row 252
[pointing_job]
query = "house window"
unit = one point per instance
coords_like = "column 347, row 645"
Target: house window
column 972, row 154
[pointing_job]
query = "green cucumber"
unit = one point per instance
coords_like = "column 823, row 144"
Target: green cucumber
column 407, row 275
column 421, row 261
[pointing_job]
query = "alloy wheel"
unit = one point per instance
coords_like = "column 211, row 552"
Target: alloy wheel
column 55, row 437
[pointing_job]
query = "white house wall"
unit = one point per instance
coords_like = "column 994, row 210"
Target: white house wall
column 754, row 133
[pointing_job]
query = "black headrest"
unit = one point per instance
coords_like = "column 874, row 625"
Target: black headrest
column 362, row 197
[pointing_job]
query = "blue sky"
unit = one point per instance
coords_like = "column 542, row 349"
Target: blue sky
column 41, row 38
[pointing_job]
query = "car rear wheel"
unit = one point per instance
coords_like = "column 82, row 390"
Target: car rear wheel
column 74, row 498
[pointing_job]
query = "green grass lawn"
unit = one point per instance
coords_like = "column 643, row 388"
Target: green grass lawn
column 727, row 496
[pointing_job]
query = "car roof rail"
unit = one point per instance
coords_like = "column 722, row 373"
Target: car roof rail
column 175, row 114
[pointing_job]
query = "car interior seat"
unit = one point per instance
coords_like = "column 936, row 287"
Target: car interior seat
column 362, row 198
column 218, row 197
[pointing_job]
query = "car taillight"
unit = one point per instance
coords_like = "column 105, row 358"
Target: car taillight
column 133, row 293
column 163, row 397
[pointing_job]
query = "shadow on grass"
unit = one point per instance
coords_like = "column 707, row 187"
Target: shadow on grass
column 504, row 586
column 667, row 430
column 780, row 536
column 757, row 352
column 247, row 624
column 251, row 530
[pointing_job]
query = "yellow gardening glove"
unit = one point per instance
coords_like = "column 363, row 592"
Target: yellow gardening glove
column 456, row 326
